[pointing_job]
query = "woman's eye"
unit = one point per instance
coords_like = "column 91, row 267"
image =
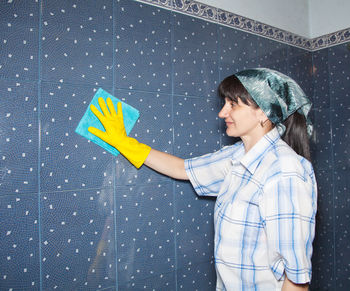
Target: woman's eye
column 230, row 103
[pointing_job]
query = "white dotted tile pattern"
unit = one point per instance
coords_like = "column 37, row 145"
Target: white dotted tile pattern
column 76, row 42
column 19, row 240
column 146, row 42
column 331, row 159
column 85, row 165
column 78, row 244
column 145, row 227
column 19, row 139
column 195, row 57
column 238, row 51
column 196, row 126
column 19, row 39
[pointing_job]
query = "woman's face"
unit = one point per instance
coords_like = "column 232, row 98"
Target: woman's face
column 241, row 120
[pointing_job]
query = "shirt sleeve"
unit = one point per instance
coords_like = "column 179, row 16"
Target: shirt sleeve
column 288, row 209
column 206, row 173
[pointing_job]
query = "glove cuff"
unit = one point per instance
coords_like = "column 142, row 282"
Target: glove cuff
column 134, row 151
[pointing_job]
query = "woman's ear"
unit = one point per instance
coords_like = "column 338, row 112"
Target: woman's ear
column 263, row 119
column 261, row 116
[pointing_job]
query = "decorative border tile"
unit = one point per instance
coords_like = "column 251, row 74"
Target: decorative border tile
column 331, row 39
column 236, row 21
column 195, row 8
column 282, row 35
column 227, row 18
column 160, row 3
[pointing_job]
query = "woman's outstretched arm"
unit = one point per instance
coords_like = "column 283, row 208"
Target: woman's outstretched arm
column 166, row 164
column 137, row 153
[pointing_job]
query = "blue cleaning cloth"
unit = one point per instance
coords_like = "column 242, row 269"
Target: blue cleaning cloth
column 130, row 115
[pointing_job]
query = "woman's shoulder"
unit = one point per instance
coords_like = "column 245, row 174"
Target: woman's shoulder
column 285, row 161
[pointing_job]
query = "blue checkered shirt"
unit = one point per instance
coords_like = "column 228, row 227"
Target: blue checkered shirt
column 264, row 215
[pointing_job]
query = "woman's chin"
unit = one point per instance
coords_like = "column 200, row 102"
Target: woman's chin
column 231, row 133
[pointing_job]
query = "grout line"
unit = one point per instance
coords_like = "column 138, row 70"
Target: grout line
column 39, row 143
column 333, row 176
column 114, row 158
column 172, row 43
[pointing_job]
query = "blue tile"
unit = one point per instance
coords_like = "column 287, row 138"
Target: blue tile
column 143, row 46
column 195, row 57
column 88, row 13
column 323, row 246
column 196, row 126
column 69, row 161
column 157, row 283
column 238, row 51
column 294, row 51
column 194, row 226
column 342, row 229
column 19, row 242
column 19, row 137
column 77, row 43
column 127, row 174
column 339, row 76
column 321, row 79
column 197, row 277
column 153, row 128
column 19, row 39
column 300, row 68
column 272, row 54
column 78, row 241
column 321, row 141
column 339, row 62
column 341, row 137
column 145, row 232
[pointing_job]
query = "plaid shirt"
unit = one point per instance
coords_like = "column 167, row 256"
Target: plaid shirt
column 264, row 213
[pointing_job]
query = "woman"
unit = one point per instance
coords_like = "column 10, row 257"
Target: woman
column 265, row 186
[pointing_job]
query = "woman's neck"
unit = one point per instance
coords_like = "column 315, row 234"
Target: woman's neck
column 250, row 140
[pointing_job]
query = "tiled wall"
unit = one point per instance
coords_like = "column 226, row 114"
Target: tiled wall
column 73, row 217
column 331, row 153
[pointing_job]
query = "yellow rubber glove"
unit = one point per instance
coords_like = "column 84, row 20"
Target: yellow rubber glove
column 115, row 134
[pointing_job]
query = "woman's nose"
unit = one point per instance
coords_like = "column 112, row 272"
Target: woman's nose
column 223, row 112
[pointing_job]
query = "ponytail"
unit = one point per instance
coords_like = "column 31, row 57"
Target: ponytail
column 296, row 135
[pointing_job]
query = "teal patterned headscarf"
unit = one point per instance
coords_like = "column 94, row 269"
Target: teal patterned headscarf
column 278, row 95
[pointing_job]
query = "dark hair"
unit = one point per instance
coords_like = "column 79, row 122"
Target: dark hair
column 296, row 134
column 233, row 89
column 296, row 130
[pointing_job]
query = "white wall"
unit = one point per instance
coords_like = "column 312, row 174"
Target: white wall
column 327, row 16
column 290, row 15
column 308, row 18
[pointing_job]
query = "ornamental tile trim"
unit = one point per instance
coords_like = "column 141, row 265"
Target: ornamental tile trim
column 332, row 39
column 236, row 21
column 195, row 8
column 223, row 17
column 159, row 3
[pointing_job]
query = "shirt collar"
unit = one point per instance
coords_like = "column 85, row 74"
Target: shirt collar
column 253, row 157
